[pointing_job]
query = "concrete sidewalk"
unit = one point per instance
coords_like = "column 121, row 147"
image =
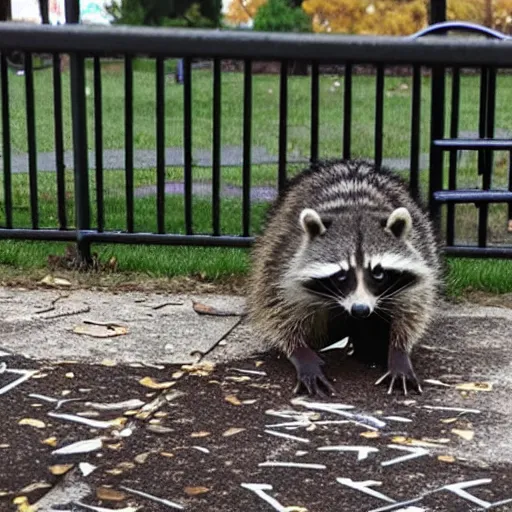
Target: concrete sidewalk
column 203, row 436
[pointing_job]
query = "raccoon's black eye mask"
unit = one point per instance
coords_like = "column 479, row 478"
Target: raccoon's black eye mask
column 334, row 285
column 385, row 282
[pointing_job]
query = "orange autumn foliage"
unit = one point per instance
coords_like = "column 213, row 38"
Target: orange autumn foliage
column 241, row 11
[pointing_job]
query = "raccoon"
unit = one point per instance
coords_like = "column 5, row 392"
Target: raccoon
column 346, row 251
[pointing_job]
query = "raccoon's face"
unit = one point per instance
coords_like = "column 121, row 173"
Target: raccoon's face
column 360, row 263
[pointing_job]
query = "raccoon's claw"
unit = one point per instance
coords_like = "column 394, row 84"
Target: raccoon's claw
column 309, row 373
column 400, row 368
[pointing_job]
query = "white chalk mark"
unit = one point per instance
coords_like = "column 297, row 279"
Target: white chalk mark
column 301, row 423
column 500, row 503
column 89, row 445
column 456, row 409
column 337, row 345
column 249, row 372
column 365, row 487
column 414, row 452
column 362, row 451
column 402, row 504
column 259, row 490
column 400, row 419
column 287, row 436
column 25, row 375
column 151, row 497
column 84, row 421
column 458, row 489
column 301, row 465
column 201, row 449
column 320, row 405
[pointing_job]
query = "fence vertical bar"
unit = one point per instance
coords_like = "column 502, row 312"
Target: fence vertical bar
column 283, row 122
column 187, row 142
column 6, row 141
column 436, row 133
column 216, row 146
column 80, row 156
column 379, row 114
column 415, row 132
column 347, row 111
column 452, row 169
column 31, row 139
column 128, row 140
column 247, row 142
column 315, row 85
column 98, row 144
column 160, row 144
column 59, row 142
column 437, row 11
column 486, row 129
column 510, row 190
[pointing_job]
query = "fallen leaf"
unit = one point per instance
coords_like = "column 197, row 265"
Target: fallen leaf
column 439, row 440
column 203, row 309
column 70, row 375
column 60, row 469
column 413, row 442
column 34, row 487
column 4, row 493
column 370, row 435
column 126, row 465
column 116, row 446
column 108, row 362
column 448, row 420
column 465, row 434
column 88, row 445
column 177, row 375
column 259, row 363
column 148, row 382
column 236, row 378
column 109, row 494
column 233, row 400
column 232, row 431
column 193, row 491
column 474, row 386
column 249, row 402
column 4, row 445
column 54, row 282
column 50, row 441
column 142, row 457
column 295, row 508
column 446, row 458
column 167, row 454
column 159, row 429
column 32, row 422
column 101, row 331
column 86, row 468
column 160, row 414
column 23, row 504
column 200, row 434
column 115, row 471
column 203, row 369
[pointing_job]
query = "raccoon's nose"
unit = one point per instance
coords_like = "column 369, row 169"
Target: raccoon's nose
column 360, row 310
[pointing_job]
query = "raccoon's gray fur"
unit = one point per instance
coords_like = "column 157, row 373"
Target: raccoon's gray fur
column 346, row 251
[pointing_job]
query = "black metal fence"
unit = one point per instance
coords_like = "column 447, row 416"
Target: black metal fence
column 439, row 58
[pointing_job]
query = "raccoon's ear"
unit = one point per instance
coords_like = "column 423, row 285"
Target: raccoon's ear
column 399, row 223
column 312, row 223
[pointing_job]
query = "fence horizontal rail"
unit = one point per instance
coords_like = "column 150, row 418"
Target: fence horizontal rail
column 243, row 45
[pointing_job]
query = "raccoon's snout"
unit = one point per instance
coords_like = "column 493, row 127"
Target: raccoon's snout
column 359, row 310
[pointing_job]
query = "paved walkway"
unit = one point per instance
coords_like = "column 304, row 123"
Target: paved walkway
column 175, row 409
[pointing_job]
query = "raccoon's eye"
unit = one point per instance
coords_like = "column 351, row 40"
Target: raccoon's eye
column 378, row 273
column 341, row 275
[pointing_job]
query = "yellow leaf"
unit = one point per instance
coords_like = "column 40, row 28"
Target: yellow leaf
column 193, row 491
column 60, row 469
column 449, row 420
column 232, row 431
column 370, row 435
column 153, row 384
column 142, row 457
column 200, row 434
column 32, row 422
column 474, row 386
column 109, row 494
column 23, row 504
column 108, row 362
column 465, row 434
column 167, row 454
column 233, row 400
column 408, row 441
column 446, row 458
column 50, row 441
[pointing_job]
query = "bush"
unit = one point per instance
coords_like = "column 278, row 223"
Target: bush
column 281, row 16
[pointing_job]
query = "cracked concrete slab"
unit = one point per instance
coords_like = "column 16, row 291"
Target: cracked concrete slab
column 161, row 329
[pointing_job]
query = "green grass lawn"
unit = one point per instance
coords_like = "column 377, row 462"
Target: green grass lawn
column 495, row 276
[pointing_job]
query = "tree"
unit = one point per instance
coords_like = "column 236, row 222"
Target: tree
column 242, row 11
column 281, row 16
column 167, row 12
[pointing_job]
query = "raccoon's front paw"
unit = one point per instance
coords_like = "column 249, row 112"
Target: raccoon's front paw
column 400, row 367
column 309, row 373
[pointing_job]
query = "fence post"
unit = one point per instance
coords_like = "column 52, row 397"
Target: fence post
column 437, row 15
column 80, row 148
column 437, row 11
